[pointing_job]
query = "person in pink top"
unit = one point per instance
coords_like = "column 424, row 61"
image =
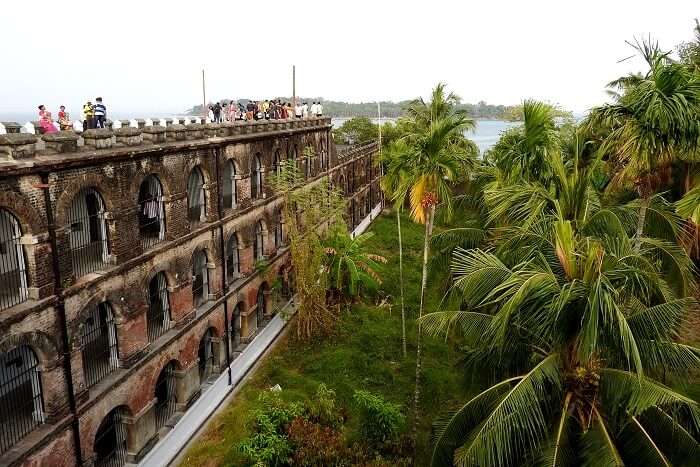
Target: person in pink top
column 45, row 121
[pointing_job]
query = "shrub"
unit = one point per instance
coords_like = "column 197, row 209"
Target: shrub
column 268, row 445
column 316, row 445
column 380, row 421
column 323, row 410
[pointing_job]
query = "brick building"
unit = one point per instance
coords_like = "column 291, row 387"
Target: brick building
column 127, row 273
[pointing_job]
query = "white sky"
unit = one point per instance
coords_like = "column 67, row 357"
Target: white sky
column 146, row 56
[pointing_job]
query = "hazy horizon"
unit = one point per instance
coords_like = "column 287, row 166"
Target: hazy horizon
column 146, row 58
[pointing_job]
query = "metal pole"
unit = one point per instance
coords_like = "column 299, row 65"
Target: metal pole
column 204, row 98
column 61, row 308
column 222, row 248
column 294, row 86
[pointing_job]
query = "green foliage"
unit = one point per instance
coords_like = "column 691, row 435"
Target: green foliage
column 381, row 420
column 268, row 445
column 357, row 130
column 351, row 268
column 323, row 408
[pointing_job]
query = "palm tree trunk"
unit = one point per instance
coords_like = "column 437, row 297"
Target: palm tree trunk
column 424, row 282
column 403, row 311
column 641, row 219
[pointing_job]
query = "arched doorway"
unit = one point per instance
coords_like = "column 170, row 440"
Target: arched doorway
column 235, row 328
column 261, row 306
column 13, row 274
column 200, row 281
column 88, row 232
column 158, row 316
column 151, row 213
column 166, row 398
column 98, row 343
column 206, row 355
column 196, row 206
column 110, row 440
column 21, row 400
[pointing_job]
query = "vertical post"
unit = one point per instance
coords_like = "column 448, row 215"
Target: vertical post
column 222, row 248
column 294, row 85
column 61, row 309
column 381, row 165
column 204, row 98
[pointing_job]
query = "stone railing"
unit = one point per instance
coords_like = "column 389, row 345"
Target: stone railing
column 16, row 145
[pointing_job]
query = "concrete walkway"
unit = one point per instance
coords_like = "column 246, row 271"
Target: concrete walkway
column 169, row 447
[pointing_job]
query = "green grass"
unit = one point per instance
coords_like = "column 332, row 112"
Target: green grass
column 364, row 354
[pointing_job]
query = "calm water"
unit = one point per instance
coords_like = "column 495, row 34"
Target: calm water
column 487, row 132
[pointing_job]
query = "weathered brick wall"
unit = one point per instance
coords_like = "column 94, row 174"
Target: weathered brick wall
column 124, row 283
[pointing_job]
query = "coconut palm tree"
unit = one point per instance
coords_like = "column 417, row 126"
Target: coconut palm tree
column 396, row 165
column 436, row 164
column 580, row 327
column 652, row 123
column 350, row 267
column 523, row 153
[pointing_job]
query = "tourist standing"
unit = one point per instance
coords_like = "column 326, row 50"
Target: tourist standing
column 319, row 109
column 217, row 112
column 100, row 113
column 305, row 110
column 289, row 110
column 88, row 116
column 45, row 121
column 298, row 111
column 64, row 119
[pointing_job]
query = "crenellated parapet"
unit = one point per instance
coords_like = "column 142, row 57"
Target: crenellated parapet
column 16, row 146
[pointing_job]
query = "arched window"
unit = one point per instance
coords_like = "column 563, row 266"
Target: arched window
column 256, row 178
column 206, row 355
column 98, row 342
column 277, row 161
column 196, row 210
column 158, row 317
column 258, row 242
column 278, row 229
column 200, row 278
column 110, row 440
column 88, row 232
column 165, row 395
column 260, row 311
column 232, row 258
column 229, row 188
column 21, row 402
column 151, row 213
column 13, row 274
column 235, row 328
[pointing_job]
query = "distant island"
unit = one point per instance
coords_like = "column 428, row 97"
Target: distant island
column 339, row 109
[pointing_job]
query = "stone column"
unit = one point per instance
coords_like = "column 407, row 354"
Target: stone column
column 141, row 432
column 176, row 132
column 187, row 385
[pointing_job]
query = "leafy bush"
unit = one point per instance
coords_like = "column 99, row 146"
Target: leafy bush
column 381, row 421
column 269, row 445
column 323, row 410
column 316, row 445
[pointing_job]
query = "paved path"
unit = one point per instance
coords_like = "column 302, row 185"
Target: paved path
column 169, row 447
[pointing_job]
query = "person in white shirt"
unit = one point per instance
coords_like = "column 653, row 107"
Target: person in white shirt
column 305, row 110
column 298, row 111
column 312, row 109
column 319, row 109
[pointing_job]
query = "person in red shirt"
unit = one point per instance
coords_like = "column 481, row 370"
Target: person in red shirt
column 64, row 119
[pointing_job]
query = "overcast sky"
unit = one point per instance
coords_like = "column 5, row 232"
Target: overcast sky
column 146, row 56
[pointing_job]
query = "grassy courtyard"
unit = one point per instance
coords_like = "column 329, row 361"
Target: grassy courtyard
column 364, row 354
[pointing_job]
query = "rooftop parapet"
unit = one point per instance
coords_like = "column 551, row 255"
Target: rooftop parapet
column 134, row 133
